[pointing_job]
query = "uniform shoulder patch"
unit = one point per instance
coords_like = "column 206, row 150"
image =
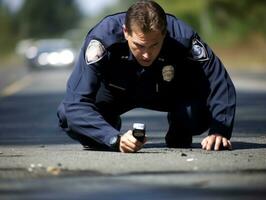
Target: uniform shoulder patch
column 94, row 52
column 198, row 51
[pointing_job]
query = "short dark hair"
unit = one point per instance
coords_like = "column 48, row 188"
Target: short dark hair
column 147, row 15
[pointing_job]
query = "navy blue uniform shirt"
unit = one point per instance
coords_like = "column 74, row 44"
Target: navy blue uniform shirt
column 116, row 83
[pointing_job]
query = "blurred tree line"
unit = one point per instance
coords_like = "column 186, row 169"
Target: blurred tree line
column 225, row 20
column 7, row 28
column 36, row 19
column 215, row 20
column 218, row 21
column 47, row 18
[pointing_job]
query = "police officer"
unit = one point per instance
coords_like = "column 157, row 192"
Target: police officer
column 146, row 58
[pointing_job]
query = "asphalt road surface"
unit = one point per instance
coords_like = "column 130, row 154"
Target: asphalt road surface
column 38, row 161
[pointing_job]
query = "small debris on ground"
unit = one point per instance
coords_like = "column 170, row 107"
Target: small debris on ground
column 30, row 169
column 39, row 168
column 35, row 168
column 53, row 170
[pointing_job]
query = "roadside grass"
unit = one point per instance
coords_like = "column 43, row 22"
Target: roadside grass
column 249, row 55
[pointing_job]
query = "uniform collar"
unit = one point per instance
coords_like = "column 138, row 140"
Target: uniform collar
column 160, row 59
column 163, row 57
column 128, row 56
column 131, row 57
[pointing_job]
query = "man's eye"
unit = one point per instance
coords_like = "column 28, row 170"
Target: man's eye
column 140, row 46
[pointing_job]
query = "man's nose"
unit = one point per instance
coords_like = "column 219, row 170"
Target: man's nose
column 146, row 55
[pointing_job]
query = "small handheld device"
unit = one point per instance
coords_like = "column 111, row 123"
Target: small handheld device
column 139, row 131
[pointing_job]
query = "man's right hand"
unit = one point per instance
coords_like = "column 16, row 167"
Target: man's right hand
column 129, row 144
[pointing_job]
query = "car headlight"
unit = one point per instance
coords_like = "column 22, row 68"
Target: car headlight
column 53, row 58
column 31, row 52
column 43, row 59
column 66, row 57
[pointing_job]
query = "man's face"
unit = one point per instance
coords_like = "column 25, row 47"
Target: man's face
column 144, row 46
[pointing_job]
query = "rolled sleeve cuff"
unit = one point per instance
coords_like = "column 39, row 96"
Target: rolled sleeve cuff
column 219, row 128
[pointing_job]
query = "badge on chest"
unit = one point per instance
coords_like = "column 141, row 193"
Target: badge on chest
column 168, row 73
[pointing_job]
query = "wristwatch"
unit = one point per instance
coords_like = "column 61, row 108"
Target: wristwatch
column 115, row 142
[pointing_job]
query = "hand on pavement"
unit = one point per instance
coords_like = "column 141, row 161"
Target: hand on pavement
column 216, row 142
column 129, row 144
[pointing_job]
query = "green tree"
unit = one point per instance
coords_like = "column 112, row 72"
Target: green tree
column 242, row 17
column 6, row 32
column 38, row 18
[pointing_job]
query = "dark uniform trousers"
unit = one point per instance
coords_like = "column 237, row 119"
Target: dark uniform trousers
column 185, row 120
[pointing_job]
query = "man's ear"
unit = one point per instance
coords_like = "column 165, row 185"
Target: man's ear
column 125, row 31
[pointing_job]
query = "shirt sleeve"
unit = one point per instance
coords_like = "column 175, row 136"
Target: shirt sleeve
column 81, row 111
column 222, row 96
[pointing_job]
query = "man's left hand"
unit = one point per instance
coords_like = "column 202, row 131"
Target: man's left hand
column 216, row 142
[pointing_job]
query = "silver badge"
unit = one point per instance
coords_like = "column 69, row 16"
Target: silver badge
column 168, row 73
column 198, row 51
column 95, row 52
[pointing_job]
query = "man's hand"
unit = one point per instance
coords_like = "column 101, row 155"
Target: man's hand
column 217, row 141
column 129, row 144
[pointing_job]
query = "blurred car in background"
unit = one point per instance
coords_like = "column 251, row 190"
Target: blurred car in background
column 47, row 53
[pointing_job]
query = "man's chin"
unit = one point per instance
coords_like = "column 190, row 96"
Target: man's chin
column 145, row 64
